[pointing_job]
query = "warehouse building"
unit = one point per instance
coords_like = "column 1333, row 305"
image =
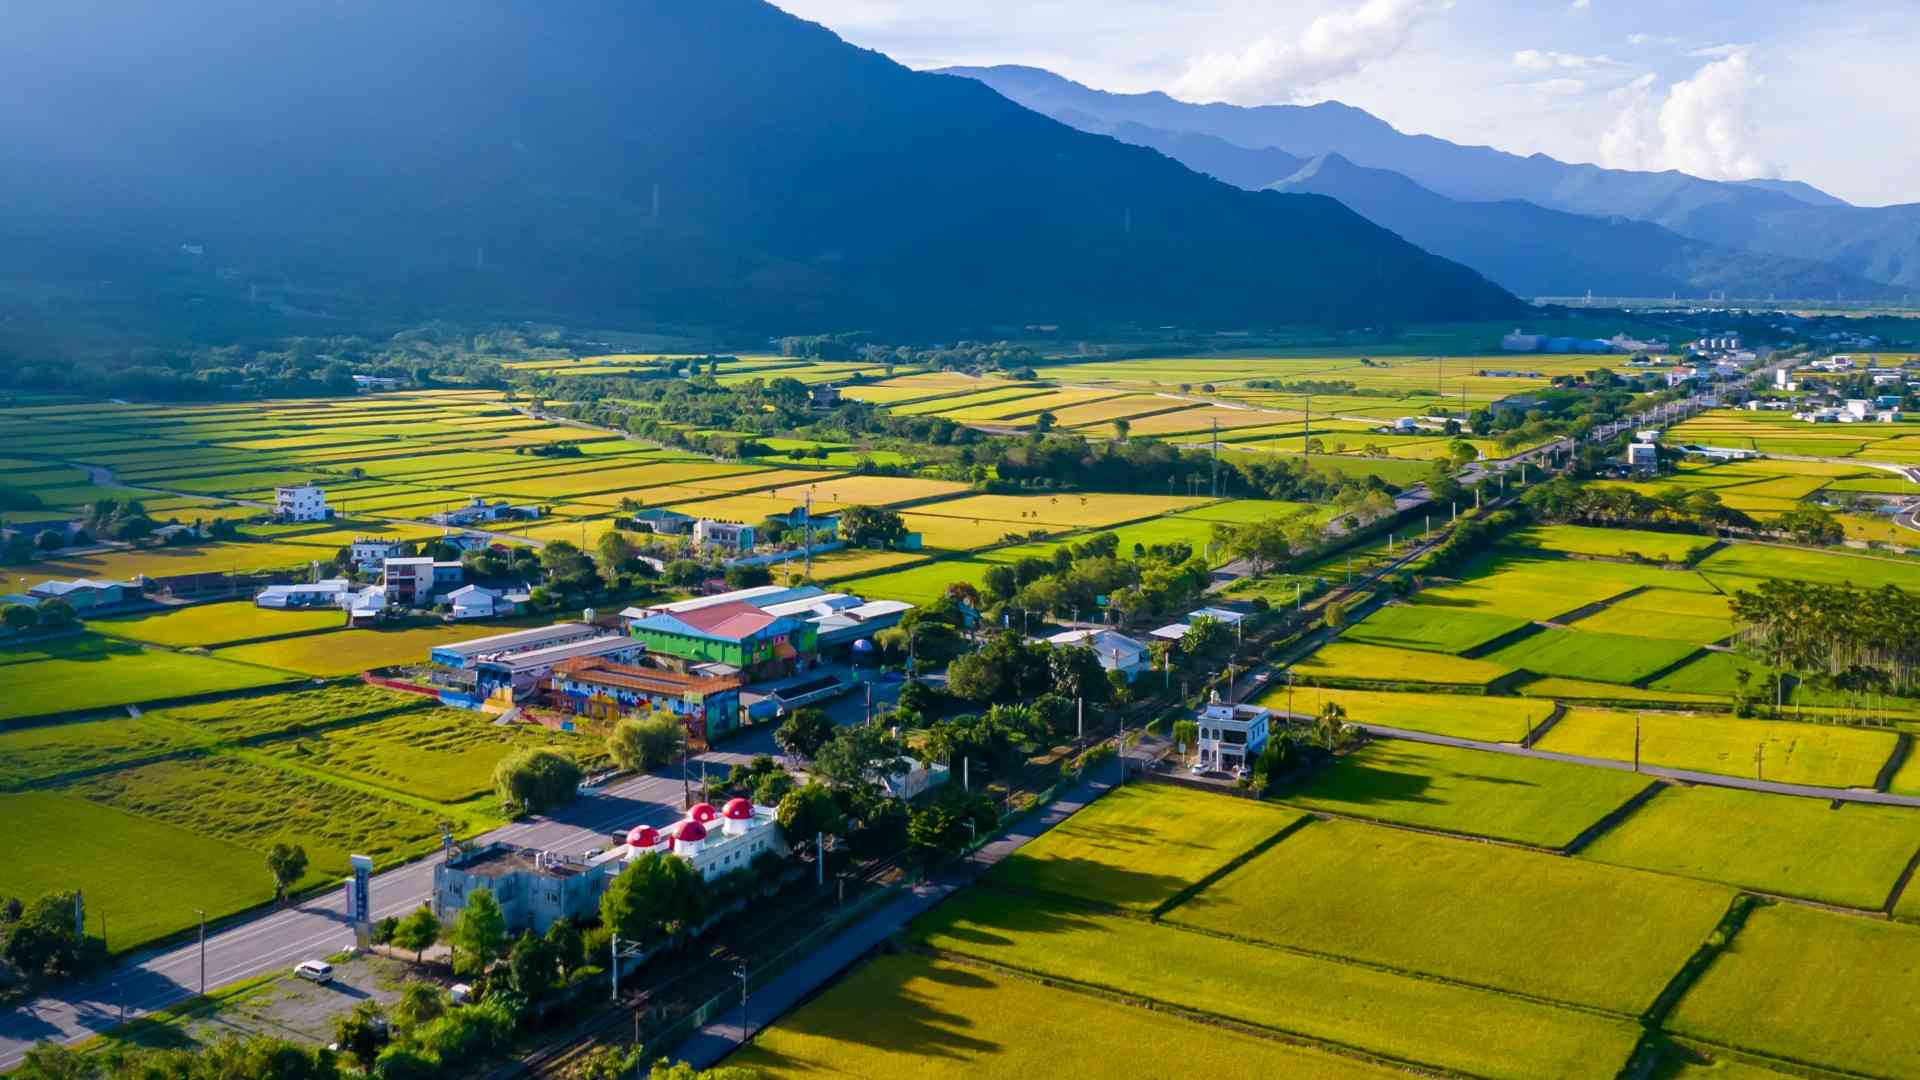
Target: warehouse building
column 740, row 635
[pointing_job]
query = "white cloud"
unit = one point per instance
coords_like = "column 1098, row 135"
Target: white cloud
column 1550, row 60
column 1719, row 52
column 1701, row 126
column 1581, row 5
column 1279, row 66
column 1559, row 87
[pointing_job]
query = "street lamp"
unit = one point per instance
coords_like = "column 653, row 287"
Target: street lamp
column 740, row 971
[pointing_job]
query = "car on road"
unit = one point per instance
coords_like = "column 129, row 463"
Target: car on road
column 314, row 971
column 1198, row 768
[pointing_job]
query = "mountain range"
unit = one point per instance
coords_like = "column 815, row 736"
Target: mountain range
column 620, row 163
column 1750, row 239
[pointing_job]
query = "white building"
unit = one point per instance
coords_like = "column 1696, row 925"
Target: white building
column 332, row 592
column 725, row 534
column 1231, row 736
column 1117, row 651
column 716, row 842
column 415, row 580
column 1859, row 408
column 302, row 503
column 372, row 552
column 1643, row 457
column 478, row 602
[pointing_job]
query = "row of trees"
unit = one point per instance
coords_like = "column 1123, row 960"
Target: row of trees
column 1852, row 641
column 1564, row 499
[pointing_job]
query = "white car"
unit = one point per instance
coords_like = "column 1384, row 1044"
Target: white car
column 1198, row 768
column 314, row 971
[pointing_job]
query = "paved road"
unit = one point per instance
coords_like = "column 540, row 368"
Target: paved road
column 1772, row 787
column 148, row 981
column 773, row 1000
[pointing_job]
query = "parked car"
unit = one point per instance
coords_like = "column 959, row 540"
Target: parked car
column 314, row 971
column 1199, row 768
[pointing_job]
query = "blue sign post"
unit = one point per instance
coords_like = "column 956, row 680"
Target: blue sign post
column 359, row 900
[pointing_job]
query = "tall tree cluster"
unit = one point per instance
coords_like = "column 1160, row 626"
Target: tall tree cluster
column 1857, row 642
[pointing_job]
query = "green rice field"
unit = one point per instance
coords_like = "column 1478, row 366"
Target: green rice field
column 1555, row 928
column 212, row 625
column 1430, row 627
column 909, row 1015
column 1814, row 987
column 1139, row 846
column 142, row 878
column 1529, row 801
column 1849, row 855
column 1434, row 1024
column 1614, row 543
column 1589, row 655
column 1466, row 716
column 79, row 674
column 446, row 755
column 1354, row 662
column 222, row 796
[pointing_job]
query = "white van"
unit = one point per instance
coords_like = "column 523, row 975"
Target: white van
column 315, row 971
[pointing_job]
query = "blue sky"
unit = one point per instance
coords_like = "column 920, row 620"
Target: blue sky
column 1820, row 92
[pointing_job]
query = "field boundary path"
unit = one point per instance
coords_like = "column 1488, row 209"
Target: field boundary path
column 1687, row 776
column 704, row 1048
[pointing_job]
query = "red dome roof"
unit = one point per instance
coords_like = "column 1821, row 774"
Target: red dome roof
column 703, row 812
column 691, row 831
column 642, row 836
column 739, row 809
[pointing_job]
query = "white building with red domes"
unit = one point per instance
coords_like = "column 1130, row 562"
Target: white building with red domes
column 716, row 842
column 536, row 889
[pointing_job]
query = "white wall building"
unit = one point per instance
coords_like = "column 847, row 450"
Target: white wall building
column 724, row 534
column 1231, row 736
column 716, row 842
column 1117, row 651
column 302, row 503
column 372, row 553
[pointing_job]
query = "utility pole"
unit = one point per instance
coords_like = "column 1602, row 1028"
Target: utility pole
column 1306, row 437
column 806, row 524
column 203, row 950
column 1636, row 742
column 1215, row 482
column 1080, row 717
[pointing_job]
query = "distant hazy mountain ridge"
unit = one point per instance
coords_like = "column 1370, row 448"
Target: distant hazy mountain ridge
column 1868, row 252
